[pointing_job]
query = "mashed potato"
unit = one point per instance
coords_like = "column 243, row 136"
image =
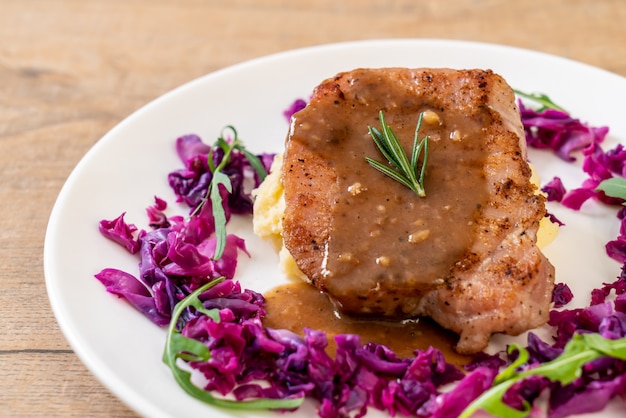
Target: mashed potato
column 548, row 230
column 269, row 206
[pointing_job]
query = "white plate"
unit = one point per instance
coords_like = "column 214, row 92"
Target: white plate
column 129, row 165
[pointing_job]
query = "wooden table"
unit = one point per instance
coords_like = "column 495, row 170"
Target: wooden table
column 72, row 69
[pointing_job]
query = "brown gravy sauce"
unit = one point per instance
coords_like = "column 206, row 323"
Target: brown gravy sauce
column 388, row 246
column 296, row 306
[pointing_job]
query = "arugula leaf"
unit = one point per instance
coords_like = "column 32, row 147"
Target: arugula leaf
column 543, row 100
column 610, row 348
column 566, row 368
column 254, row 161
column 179, row 347
column 511, row 370
column 219, row 178
column 219, row 216
column 614, row 187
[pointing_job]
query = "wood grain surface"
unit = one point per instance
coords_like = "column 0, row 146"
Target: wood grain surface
column 72, row 69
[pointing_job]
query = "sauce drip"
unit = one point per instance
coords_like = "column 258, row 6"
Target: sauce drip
column 296, row 306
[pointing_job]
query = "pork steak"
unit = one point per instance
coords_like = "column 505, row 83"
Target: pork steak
column 465, row 254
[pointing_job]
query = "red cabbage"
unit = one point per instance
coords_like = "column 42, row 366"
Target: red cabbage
column 558, row 131
column 601, row 379
column 526, row 392
column 250, row 361
column 190, row 183
column 296, row 106
column 156, row 214
column 561, row 295
column 173, row 262
column 541, row 351
column 121, row 232
column 451, row 404
column 358, row 377
column 590, row 398
column 601, row 294
column 616, row 248
column 127, row 286
column 175, row 257
column 599, row 165
column 604, row 378
column 554, row 190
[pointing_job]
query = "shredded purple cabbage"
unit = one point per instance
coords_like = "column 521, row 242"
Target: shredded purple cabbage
column 452, row 403
column 296, row 106
column 558, row 131
column 601, row 380
column 561, row 295
column 191, row 182
column 604, row 378
column 598, row 165
column 554, row 190
column 175, row 259
column 175, row 256
column 358, row 377
column 564, row 135
column 121, row 232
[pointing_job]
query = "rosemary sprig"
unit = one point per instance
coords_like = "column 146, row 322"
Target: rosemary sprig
column 404, row 171
column 219, row 178
column 543, row 100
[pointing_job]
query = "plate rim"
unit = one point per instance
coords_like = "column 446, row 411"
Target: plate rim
column 105, row 378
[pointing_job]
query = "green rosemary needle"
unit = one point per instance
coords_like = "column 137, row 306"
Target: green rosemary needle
column 409, row 173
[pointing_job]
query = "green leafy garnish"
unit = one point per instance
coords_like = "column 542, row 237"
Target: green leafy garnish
column 177, row 346
column 543, row 100
column 403, row 171
column 219, row 178
column 614, row 187
column 566, row 368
